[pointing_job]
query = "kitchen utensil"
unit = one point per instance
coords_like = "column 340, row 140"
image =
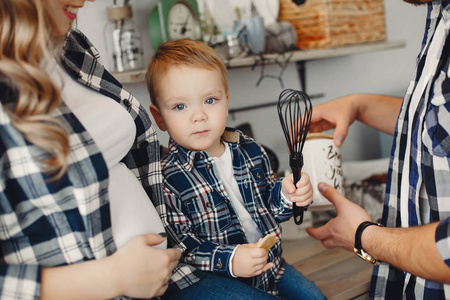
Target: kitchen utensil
column 295, row 110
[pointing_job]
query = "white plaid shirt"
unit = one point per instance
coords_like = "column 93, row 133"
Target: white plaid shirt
column 47, row 224
column 418, row 189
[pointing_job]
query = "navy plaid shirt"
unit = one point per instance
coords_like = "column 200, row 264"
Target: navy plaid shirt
column 46, row 224
column 418, row 190
column 200, row 212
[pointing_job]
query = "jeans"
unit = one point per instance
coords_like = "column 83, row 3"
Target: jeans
column 293, row 285
column 219, row 287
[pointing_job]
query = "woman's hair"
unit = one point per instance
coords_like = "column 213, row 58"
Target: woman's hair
column 184, row 52
column 29, row 36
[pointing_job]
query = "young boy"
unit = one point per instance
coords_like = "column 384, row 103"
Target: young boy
column 222, row 196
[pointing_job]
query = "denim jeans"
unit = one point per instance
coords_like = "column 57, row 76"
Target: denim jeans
column 219, row 287
column 293, row 285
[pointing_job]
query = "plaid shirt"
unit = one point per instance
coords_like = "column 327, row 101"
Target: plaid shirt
column 47, row 224
column 419, row 175
column 200, row 211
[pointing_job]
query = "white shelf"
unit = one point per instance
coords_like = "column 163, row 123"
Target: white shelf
column 298, row 55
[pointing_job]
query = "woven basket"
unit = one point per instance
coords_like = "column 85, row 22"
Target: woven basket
column 329, row 23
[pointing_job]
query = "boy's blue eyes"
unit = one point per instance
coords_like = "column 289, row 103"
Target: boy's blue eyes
column 182, row 106
column 210, row 101
column 179, row 106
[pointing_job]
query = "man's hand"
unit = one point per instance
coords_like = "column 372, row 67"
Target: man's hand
column 339, row 231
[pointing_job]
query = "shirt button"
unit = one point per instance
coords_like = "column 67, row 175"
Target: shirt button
column 258, row 176
column 127, row 102
column 201, row 156
column 208, row 205
column 208, row 166
column 226, row 201
column 219, row 264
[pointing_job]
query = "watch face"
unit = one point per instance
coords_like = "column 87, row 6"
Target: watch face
column 182, row 22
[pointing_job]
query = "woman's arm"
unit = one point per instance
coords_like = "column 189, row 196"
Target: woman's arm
column 135, row 270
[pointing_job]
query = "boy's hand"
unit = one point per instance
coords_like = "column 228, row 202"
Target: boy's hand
column 250, row 261
column 301, row 195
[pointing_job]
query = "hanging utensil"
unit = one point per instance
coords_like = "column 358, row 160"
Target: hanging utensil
column 295, row 110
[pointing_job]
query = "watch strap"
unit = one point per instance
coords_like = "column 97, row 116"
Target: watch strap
column 358, row 249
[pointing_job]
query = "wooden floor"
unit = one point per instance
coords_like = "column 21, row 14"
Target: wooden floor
column 339, row 274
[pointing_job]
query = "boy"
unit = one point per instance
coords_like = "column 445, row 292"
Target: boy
column 222, row 196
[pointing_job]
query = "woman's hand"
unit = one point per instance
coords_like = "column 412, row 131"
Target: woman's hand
column 144, row 271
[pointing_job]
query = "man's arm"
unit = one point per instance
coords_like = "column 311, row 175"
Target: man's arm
column 379, row 112
column 410, row 249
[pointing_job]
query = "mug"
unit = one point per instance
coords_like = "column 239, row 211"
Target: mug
column 322, row 162
column 252, row 33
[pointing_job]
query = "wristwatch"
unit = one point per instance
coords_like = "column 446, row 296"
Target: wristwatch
column 358, row 247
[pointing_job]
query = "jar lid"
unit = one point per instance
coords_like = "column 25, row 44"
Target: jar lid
column 318, row 135
column 119, row 12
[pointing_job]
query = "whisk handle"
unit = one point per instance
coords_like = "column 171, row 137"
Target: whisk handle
column 296, row 164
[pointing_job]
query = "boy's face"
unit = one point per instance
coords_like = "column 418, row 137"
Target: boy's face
column 193, row 108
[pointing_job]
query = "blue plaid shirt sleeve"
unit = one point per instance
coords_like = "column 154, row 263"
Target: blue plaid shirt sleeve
column 443, row 240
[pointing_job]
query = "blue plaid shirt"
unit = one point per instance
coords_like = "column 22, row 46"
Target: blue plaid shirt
column 47, row 224
column 419, row 175
column 200, row 211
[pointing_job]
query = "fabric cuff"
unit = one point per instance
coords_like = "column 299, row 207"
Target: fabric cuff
column 220, row 259
column 231, row 262
column 443, row 240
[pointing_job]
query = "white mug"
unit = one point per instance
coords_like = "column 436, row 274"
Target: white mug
column 322, row 162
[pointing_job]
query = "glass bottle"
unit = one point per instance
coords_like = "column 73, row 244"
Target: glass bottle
column 123, row 40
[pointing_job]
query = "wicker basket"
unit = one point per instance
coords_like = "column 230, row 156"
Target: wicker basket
column 329, row 23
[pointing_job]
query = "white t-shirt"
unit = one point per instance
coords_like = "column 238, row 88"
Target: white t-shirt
column 224, row 168
column 113, row 130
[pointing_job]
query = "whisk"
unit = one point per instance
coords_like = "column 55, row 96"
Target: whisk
column 294, row 110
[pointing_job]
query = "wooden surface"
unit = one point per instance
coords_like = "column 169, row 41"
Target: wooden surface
column 294, row 56
column 338, row 273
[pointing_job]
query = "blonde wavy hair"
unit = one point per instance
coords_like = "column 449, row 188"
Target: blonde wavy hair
column 28, row 36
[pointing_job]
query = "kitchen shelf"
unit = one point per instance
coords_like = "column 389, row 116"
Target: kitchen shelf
column 293, row 56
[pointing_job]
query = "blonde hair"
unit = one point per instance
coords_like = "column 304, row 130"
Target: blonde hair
column 28, row 36
column 184, row 52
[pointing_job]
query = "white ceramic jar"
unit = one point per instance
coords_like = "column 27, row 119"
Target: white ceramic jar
column 322, row 162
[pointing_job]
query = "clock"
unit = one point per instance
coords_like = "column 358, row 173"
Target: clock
column 172, row 20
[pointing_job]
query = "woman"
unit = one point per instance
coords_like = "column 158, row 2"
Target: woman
column 78, row 171
column 57, row 179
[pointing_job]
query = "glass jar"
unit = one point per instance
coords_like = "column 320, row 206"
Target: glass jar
column 123, row 40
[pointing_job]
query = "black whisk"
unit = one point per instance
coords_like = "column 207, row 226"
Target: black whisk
column 294, row 111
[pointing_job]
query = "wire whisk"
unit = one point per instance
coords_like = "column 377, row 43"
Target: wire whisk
column 295, row 110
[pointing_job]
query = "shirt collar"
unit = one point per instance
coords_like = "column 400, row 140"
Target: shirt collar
column 187, row 157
